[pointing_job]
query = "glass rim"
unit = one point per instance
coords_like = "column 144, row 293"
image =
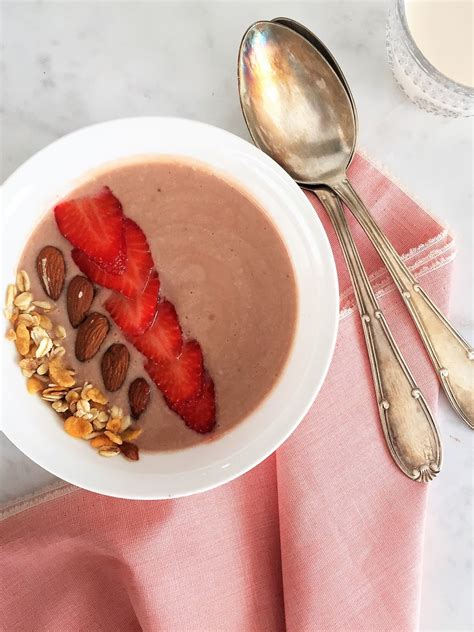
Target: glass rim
column 424, row 62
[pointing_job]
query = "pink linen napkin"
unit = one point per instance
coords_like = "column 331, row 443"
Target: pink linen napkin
column 326, row 534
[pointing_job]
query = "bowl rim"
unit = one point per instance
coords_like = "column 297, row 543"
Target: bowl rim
column 332, row 303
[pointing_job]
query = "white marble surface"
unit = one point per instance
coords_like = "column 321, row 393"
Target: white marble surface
column 70, row 64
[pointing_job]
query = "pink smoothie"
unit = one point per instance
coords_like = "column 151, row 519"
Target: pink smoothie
column 221, row 262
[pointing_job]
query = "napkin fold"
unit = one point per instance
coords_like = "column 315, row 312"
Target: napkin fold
column 325, row 535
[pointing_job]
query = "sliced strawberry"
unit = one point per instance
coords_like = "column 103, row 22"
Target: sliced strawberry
column 199, row 414
column 163, row 340
column 138, row 267
column 135, row 315
column 179, row 379
column 94, row 224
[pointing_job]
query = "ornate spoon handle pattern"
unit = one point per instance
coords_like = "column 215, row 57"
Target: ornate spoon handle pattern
column 451, row 356
column 409, row 428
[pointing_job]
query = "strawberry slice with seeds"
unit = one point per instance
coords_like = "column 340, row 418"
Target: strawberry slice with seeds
column 199, row 414
column 179, row 379
column 94, row 224
column 135, row 315
column 138, row 267
column 163, row 341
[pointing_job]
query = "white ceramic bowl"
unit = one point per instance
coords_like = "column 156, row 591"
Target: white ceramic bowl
column 50, row 174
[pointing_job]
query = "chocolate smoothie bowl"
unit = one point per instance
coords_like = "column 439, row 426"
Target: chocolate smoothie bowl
column 161, row 311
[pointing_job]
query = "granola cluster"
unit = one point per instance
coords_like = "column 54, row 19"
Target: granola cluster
column 85, row 410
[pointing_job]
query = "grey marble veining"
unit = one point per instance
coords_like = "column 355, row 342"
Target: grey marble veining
column 70, row 64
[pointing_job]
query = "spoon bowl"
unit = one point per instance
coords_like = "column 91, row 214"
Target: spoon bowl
column 296, row 108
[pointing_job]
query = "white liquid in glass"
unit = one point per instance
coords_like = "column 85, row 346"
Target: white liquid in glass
column 443, row 31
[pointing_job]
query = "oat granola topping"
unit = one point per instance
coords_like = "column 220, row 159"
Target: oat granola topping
column 85, row 408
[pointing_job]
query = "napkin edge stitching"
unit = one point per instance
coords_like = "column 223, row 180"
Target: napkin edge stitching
column 388, row 289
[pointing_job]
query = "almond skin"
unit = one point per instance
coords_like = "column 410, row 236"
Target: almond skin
column 130, row 450
column 114, row 366
column 80, row 293
column 51, row 269
column 90, row 335
column 138, row 396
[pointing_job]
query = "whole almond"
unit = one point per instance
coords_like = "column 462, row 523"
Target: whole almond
column 90, row 335
column 130, row 450
column 80, row 293
column 51, row 270
column 114, row 366
column 138, row 396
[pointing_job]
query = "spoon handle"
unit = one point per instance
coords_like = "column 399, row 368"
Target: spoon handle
column 410, row 431
column 451, row 356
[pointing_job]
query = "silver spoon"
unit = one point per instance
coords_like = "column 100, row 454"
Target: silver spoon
column 409, row 429
column 299, row 93
column 365, row 297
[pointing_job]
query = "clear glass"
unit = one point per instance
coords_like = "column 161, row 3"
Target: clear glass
column 420, row 80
